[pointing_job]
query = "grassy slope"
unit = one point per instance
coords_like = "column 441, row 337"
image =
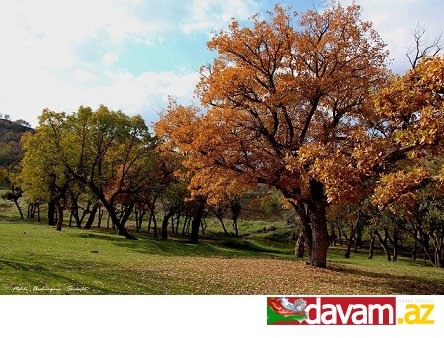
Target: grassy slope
column 34, row 255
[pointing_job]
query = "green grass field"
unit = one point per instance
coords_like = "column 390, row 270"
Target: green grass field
column 36, row 259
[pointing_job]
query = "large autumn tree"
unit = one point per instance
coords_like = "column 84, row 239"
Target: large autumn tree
column 280, row 94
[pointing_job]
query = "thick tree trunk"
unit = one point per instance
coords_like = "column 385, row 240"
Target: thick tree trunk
column 306, row 231
column 138, row 214
column 439, row 263
column 51, row 212
column 203, row 226
column 149, row 222
column 60, row 216
column 318, row 216
column 33, row 209
column 321, row 239
column 300, row 245
column 91, row 217
column 75, row 213
column 197, row 219
column 165, row 222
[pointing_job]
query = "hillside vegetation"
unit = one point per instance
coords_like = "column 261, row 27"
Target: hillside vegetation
column 10, row 148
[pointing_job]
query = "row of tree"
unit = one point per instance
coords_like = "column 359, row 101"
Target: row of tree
column 91, row 161
column 304, row 104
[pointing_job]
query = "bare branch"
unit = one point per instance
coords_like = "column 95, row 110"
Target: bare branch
column 422, row 48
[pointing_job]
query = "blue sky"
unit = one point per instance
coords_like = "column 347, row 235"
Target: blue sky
column 133, row 54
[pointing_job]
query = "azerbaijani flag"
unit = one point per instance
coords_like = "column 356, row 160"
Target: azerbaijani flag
column 279, row 310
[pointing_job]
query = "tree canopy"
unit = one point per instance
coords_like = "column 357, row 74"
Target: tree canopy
column 305, row 103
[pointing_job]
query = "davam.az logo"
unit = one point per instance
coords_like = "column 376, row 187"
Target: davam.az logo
column 345, row 311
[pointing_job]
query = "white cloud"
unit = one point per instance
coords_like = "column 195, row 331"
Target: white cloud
column 207, row 15
column 146, row 94
column 39, row 62
column 109, row 59
column 42, row 65
column 396, row 19
column 60, row 54
column 82, row 75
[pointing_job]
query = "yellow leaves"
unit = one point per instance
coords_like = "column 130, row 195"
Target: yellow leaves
column 414, row 93
column 414, row 106
column 398, row 190
column 340, row 170
column 305, row 156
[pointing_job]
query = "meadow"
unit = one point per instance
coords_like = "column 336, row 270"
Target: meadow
column 37, row 259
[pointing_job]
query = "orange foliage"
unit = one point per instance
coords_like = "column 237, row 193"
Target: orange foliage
column 286, row 102
column 413, row 104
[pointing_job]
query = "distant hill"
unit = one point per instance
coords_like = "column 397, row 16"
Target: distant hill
column 10, row 148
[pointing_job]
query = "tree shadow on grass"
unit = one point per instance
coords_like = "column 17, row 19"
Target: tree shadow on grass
column 229, row 248
column 99, row 236
column 16, row 219
column 394, row 284
column 181, row 246
column 17, row 265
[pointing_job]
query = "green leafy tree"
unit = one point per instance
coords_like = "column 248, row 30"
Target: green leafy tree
column 43, row 176
column 105, row 151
